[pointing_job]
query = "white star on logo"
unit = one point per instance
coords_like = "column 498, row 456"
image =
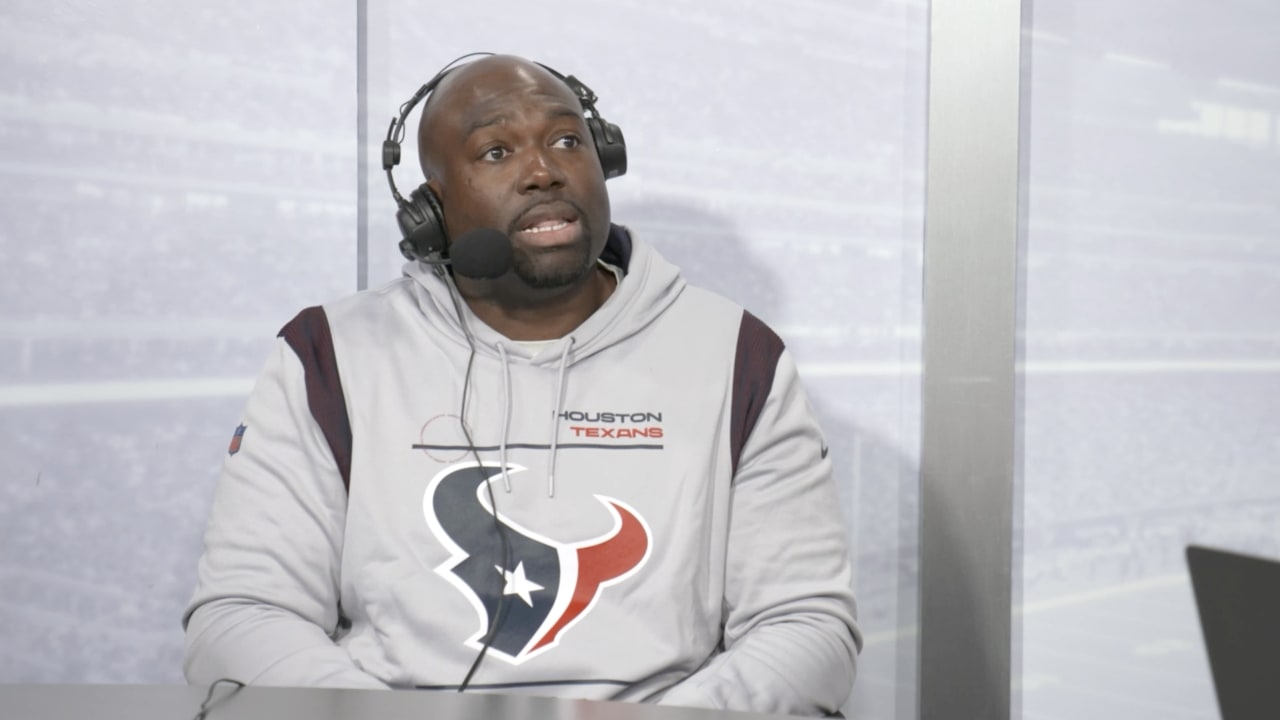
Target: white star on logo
column 518, row 584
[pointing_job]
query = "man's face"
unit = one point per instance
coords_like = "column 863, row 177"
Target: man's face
column 511, row 151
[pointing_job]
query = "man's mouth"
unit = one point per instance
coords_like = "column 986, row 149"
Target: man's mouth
column 548, row 226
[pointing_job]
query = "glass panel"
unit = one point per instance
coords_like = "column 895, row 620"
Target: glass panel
column 777, row 158
column 176, row 182
column 1153, row 341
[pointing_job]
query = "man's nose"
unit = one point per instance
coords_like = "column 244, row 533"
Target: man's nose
column 541, row 172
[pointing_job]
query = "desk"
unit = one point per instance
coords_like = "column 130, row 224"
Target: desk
column 181, row 702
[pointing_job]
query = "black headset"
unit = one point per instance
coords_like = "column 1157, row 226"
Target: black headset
column 421, row 217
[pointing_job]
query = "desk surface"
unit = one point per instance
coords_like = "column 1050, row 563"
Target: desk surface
column 180, row 702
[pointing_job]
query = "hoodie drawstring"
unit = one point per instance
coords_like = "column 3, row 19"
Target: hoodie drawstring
column 555, row 417
column 506, row 415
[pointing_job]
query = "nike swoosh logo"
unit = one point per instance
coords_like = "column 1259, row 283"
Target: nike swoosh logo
column 824, row 452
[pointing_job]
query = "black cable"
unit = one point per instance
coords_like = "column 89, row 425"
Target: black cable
column 498, row 614
column 206, row 706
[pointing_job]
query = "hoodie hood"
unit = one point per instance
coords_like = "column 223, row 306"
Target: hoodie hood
column 648, row 287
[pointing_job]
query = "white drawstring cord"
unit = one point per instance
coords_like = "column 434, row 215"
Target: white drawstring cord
column 555, row 417
column 506, row 414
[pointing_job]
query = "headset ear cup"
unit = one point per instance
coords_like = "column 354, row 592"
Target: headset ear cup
column 610, row 146
column 421, row 220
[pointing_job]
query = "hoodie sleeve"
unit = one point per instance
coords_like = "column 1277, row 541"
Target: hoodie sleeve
column 790, row 639
column 265, row 607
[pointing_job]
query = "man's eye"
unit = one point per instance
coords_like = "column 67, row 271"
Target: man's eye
column 495, row 153
column 568, row 141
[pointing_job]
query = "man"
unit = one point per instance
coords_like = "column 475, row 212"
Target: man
column 638, row 505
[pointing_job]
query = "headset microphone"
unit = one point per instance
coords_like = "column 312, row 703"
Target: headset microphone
column 483, row 254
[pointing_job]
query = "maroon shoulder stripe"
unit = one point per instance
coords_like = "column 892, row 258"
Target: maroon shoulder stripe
column 753, row 368
column 308, row 334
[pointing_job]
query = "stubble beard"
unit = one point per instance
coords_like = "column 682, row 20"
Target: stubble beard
column 556, row 268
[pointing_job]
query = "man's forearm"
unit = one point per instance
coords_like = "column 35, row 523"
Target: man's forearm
column 799, row 667
column 262, row 645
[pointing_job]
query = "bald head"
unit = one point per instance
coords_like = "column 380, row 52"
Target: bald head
column 505, row 146
column 466, row 98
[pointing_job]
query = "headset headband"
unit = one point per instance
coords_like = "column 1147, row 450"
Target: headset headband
column 395, row 133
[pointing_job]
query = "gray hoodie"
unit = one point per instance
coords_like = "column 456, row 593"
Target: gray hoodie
column 666, row 527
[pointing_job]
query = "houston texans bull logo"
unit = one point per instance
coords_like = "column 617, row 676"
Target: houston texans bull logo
column 549, row 585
